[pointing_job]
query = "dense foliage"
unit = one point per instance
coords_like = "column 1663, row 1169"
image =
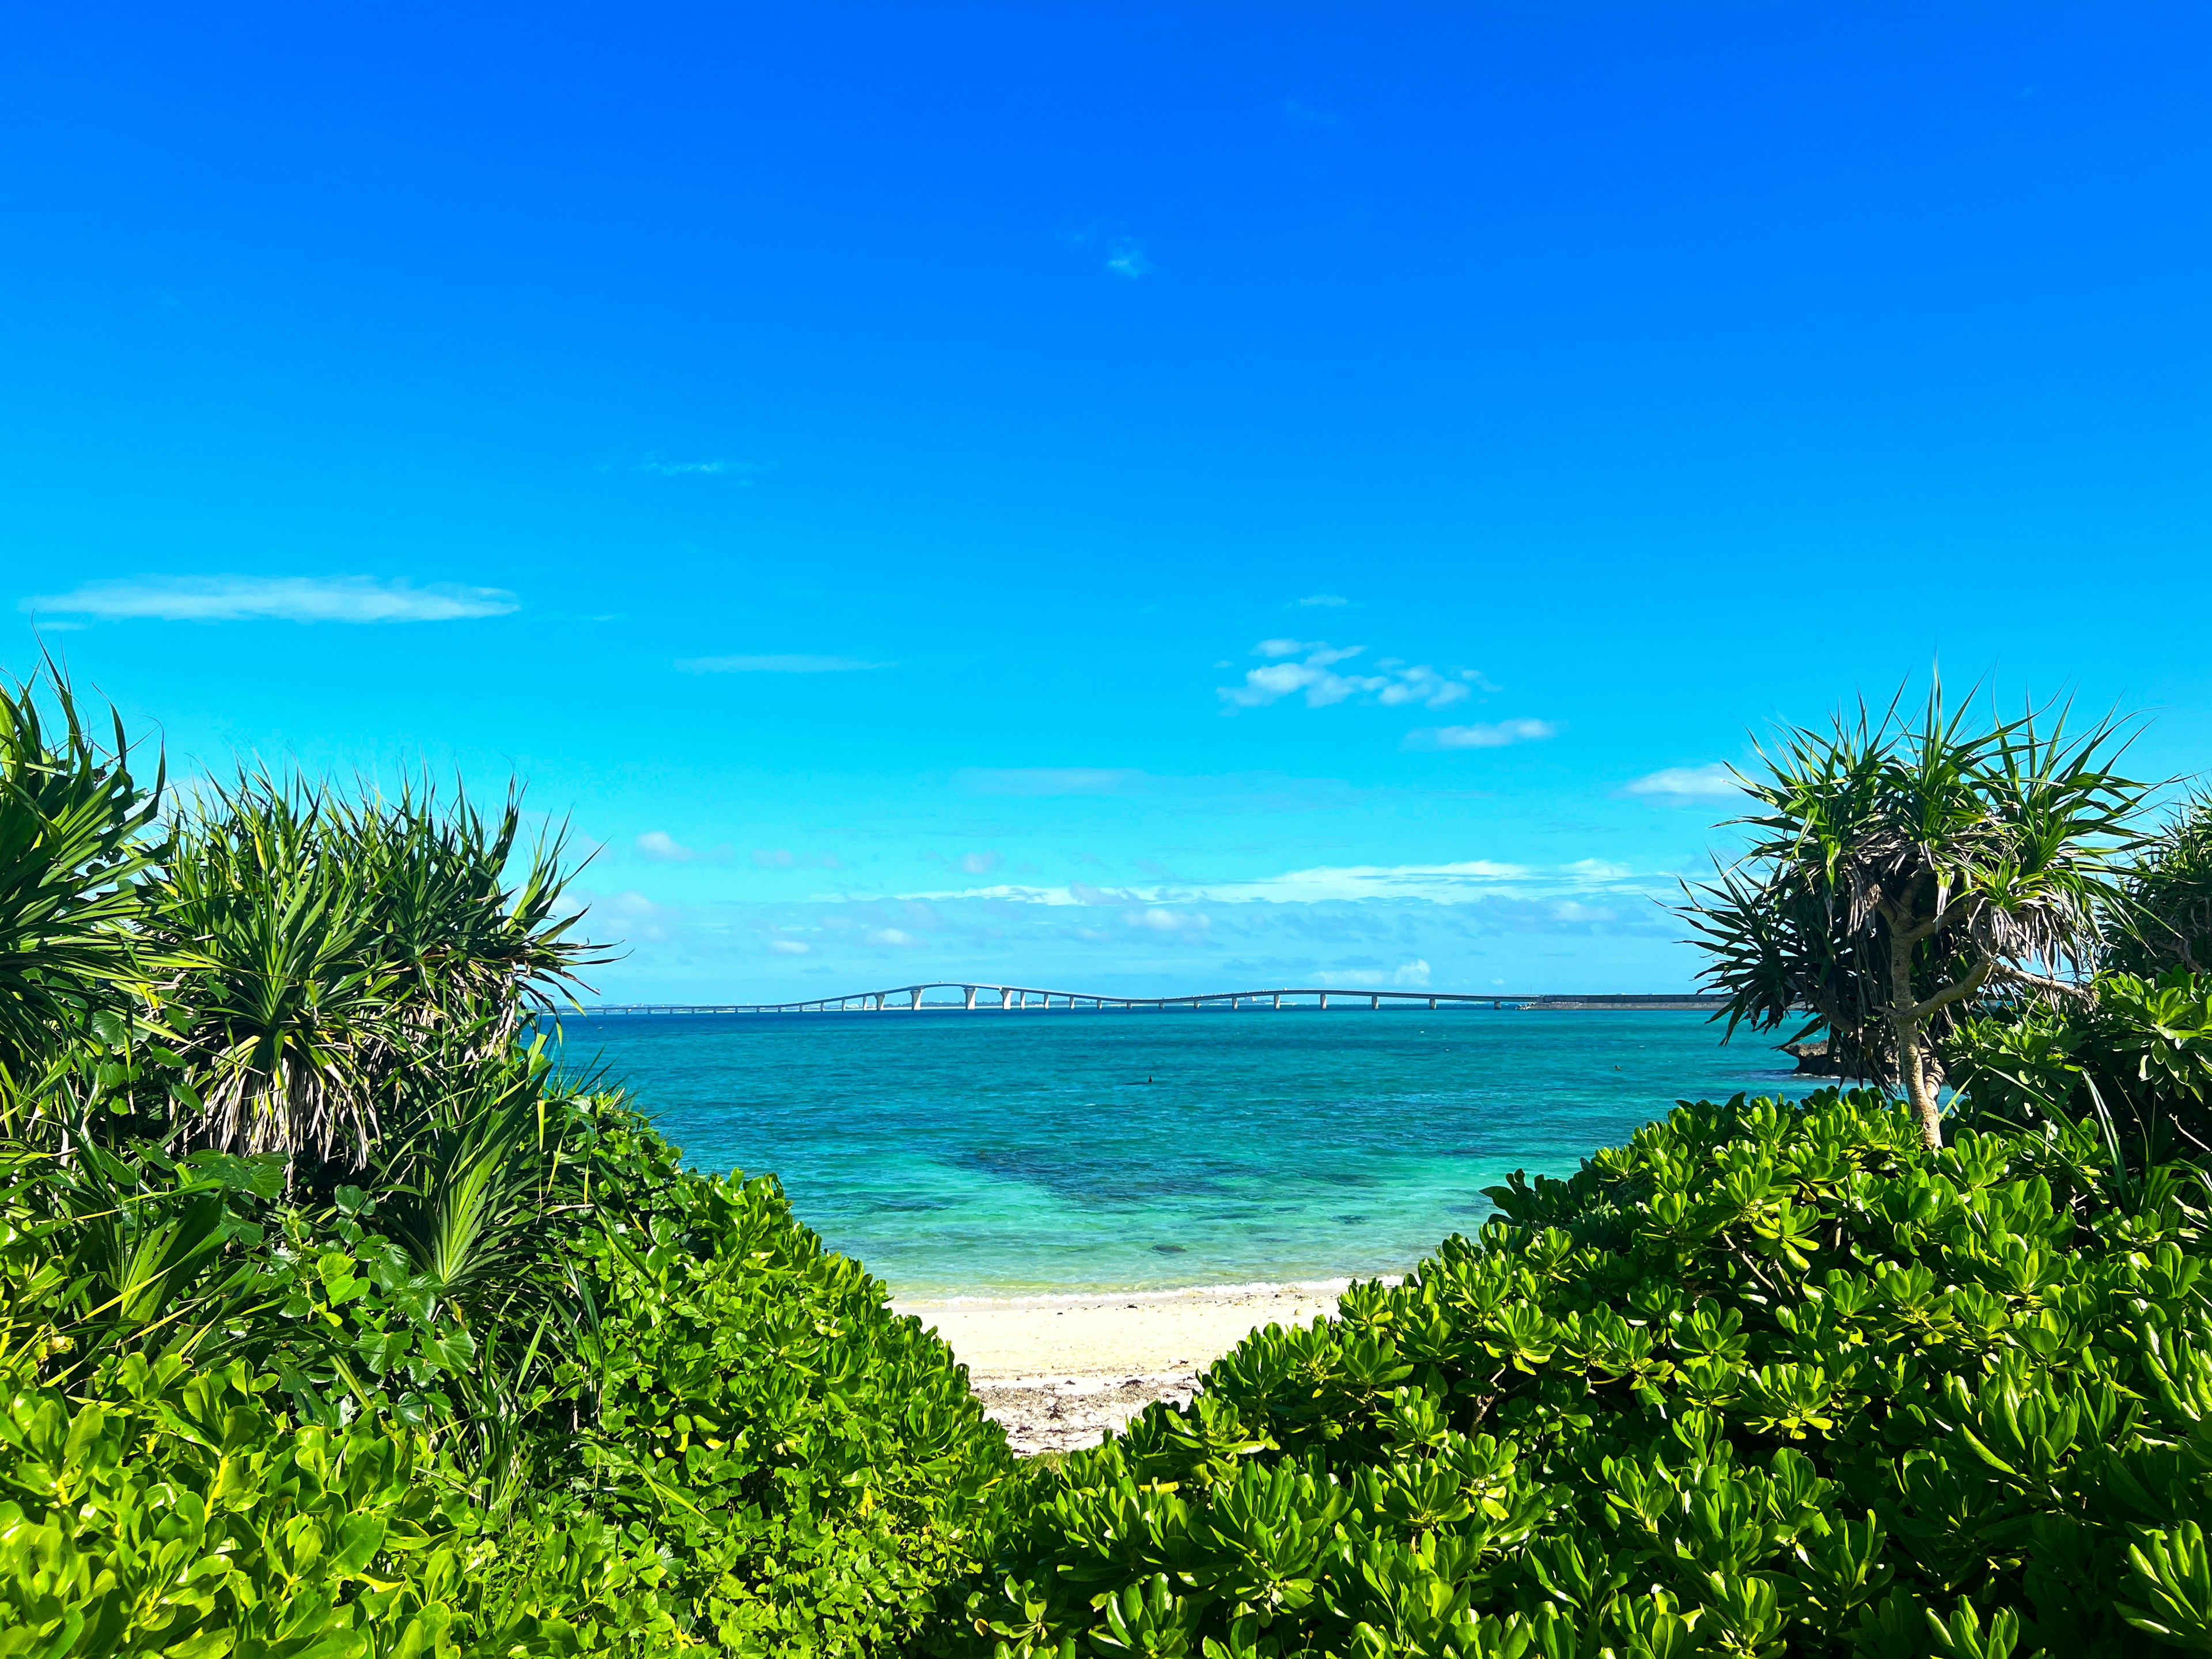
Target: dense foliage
column 2132, row 1056
column 1768, row 1379
column 2167, row 920
column 336, row 1321
column 1900, row 869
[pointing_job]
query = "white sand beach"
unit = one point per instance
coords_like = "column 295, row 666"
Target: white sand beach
column 1061, row 1372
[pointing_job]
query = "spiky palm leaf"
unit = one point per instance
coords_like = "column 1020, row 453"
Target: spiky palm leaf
column 285, row 1006
column 73, row 839
column 1900, row 867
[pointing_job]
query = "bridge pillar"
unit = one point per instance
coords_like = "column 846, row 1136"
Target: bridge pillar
column 1432, row 1005
column 880, row 1002
column 1005, row 998
column 916, row 1003
column 1324, row 999
column 971, row 995
column 1374, row 1002
column 1278, row 999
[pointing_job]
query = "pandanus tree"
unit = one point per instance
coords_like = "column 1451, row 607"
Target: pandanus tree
column 2168, row 923
column 73, row 838
column 330, row 944
column 1901, row 868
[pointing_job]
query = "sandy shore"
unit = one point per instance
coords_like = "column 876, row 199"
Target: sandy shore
column 1061, row 1371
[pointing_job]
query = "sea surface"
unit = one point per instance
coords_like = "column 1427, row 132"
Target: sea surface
column 1030, row 1152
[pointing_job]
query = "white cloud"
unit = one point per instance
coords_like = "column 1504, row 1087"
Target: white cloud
column 1598, row 870
column 979, row 864
column 1325, row 600
column 275, row 598
column 1415, row 972
column 1679, row 784
column 1160, row 921
column 1468, row 881
column 664, row 848
column 1395, row 682
column 890, row 936
column 792, row 664
column 735, row 472
column 1126, row 259
column 630, row 915
column 1482, row 735
column 790, row 947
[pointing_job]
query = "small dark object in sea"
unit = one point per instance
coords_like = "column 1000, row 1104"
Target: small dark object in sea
column 1812, row 1058
column 1168, row 1250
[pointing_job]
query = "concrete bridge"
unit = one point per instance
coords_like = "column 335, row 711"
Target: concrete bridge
column 1013, row 997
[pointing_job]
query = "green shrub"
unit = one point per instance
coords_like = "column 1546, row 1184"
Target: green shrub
column 816, row 1465
column 2134, row 1056
column 2166, row 920
column 179, row 1513
column 227, row 1425
column 1768, row 1379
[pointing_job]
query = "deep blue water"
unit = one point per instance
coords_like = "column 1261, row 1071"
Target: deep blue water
column 1005, row 1153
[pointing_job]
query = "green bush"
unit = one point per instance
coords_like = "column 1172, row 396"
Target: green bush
column 1768, row 1379
column 232, row 1426
column 178, row 1513
column 335, row 1324
column 816, row 1465
column 2133, row 1055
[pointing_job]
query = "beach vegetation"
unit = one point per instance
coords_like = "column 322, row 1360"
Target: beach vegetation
column 2166, row 922
column 1770, row 1378
column 1902, row 867
column 338, row 1319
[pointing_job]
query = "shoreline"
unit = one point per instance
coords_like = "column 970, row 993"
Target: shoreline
column 1059, row 1372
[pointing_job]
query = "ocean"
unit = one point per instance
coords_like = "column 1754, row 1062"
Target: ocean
column 1001, row 1153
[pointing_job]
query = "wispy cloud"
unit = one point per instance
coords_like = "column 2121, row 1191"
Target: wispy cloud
column 1185, row 924
column 794, row 664
column 1124, row 257
column 1680, row 785
column 741, row 472
column 1322, row 601
column 631, row 916
column 1466, row 881
column 664, row 848
column 890, row 936
column 1395, row 681
column 1482, row 735
column 1048, row 779
column 790, row 947
column 274, row 598
column 1415, row 972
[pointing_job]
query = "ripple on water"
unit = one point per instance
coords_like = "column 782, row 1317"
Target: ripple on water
column 956, row 1153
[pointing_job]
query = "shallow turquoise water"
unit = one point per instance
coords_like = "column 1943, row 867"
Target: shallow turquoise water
column 1010, row 1153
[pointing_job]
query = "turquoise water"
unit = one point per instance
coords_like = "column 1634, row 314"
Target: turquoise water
column 1017, row 1153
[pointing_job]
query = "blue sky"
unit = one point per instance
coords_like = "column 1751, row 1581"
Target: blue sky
column 1120, row 496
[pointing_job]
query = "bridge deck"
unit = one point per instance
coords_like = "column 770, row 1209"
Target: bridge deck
column 911, row 998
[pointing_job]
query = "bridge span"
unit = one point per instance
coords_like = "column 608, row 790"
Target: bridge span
column 1013, row 997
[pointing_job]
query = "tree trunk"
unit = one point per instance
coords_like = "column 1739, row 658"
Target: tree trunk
column 1906, row 1019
